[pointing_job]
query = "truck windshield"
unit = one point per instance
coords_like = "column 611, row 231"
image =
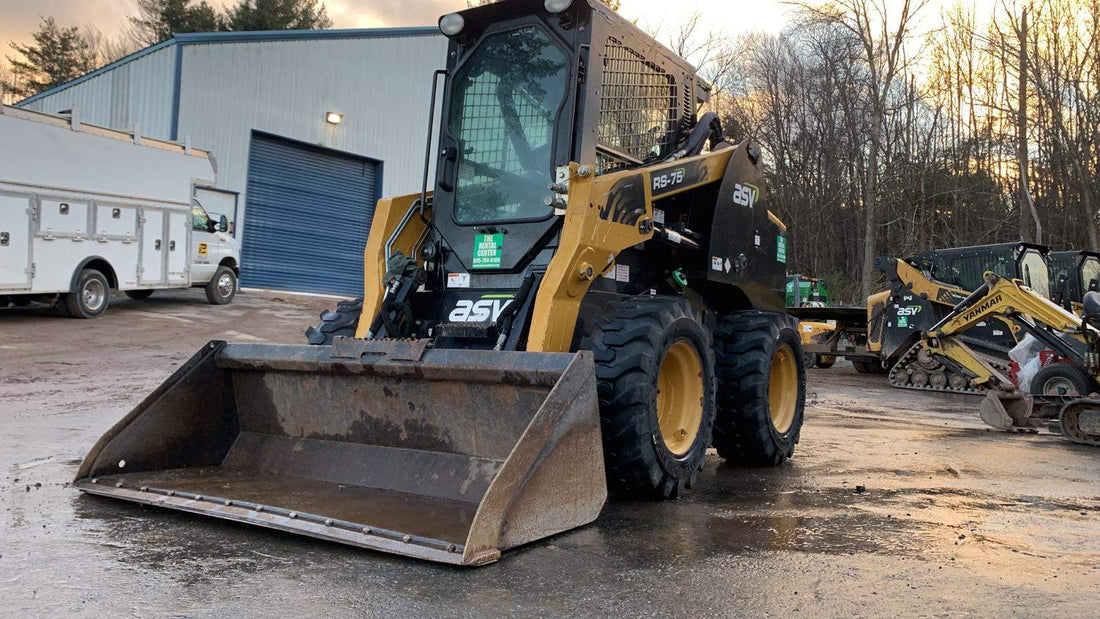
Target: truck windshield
column 504, row 104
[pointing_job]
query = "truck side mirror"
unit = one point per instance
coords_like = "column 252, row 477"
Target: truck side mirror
column 223, row 224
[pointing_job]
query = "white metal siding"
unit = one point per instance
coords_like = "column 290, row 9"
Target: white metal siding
column 136, row 91
column 381, row 85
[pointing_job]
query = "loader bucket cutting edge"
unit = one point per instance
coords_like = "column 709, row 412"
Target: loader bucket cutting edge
column 446, row 455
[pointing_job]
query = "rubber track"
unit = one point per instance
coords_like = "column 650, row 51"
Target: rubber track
column 899, row 371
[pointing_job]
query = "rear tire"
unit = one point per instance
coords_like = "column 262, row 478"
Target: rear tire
column 824, row 361
column 222, row 287
column 653, row 361
column 761, row 389
column 1063, row 379
column 89, row 297
column 340, row 322
column 139, row 295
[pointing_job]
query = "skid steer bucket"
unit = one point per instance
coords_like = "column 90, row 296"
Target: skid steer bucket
column 447, row 455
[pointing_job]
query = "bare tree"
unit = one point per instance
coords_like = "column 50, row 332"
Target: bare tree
column 1027, row 205
column 882, row 33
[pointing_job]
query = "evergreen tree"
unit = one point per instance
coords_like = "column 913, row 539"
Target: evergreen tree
column 277, row 15
column 57, row 55
column 157, row 20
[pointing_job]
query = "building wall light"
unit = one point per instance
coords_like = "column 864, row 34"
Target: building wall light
column 334, row 118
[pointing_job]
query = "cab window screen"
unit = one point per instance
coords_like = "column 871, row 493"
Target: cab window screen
column 504, row 106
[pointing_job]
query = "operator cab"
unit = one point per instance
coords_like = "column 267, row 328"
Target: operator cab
column 1074, row 274
column 963, row 267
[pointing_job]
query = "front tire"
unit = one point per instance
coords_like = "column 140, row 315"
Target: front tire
column 90, row 296
column 656, row 383
column 222, row 287
column 1062, row 379
column 761, row 389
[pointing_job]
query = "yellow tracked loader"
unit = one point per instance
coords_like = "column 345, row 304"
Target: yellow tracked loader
column 589, row 295
column 1064, row 387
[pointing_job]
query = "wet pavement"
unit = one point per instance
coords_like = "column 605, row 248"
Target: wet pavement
column 896, row 502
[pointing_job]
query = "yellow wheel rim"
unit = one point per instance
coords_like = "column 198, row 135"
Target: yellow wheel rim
column 680, row 397
column 783, row 389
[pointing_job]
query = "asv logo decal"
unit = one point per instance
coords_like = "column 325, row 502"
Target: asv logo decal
column 668, row 179
column 482, row 310
column 911, row 310
column 745, row 195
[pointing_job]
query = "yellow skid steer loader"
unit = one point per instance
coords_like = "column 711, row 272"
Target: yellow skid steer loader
column 590, row 295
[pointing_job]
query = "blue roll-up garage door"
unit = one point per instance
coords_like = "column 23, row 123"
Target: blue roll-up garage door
column 307, row 214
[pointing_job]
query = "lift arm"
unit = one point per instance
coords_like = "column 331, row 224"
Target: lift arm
column 1001, row 297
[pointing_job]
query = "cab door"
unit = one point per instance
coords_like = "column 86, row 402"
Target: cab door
column 204, row 246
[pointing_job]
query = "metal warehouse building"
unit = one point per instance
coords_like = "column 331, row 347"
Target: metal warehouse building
column 299, row 188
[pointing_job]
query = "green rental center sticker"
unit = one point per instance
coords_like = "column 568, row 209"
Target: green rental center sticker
column 487, row 251
column 781, row 249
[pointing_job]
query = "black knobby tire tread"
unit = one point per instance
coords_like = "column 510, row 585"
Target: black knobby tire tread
column 341, row 321
column 1081, row 379
column 627, row 345
column 743, row 431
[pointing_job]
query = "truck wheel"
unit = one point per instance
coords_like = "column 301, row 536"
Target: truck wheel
column 1063, row 379
column 824, row 361
column 139, row 295
column 656, row 384
column 90, row 297
column 761, row 388
column 222, row 287
column 335, row 323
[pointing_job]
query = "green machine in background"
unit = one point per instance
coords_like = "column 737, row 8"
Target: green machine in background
column 803, row 290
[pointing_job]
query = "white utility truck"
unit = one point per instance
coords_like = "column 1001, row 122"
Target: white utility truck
column 86, row 210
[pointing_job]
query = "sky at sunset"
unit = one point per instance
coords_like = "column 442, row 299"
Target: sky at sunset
column 18, row 18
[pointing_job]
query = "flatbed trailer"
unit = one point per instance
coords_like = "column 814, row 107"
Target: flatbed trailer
column 847, row 338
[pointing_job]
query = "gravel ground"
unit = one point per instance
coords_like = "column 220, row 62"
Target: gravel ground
column 953, row 518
